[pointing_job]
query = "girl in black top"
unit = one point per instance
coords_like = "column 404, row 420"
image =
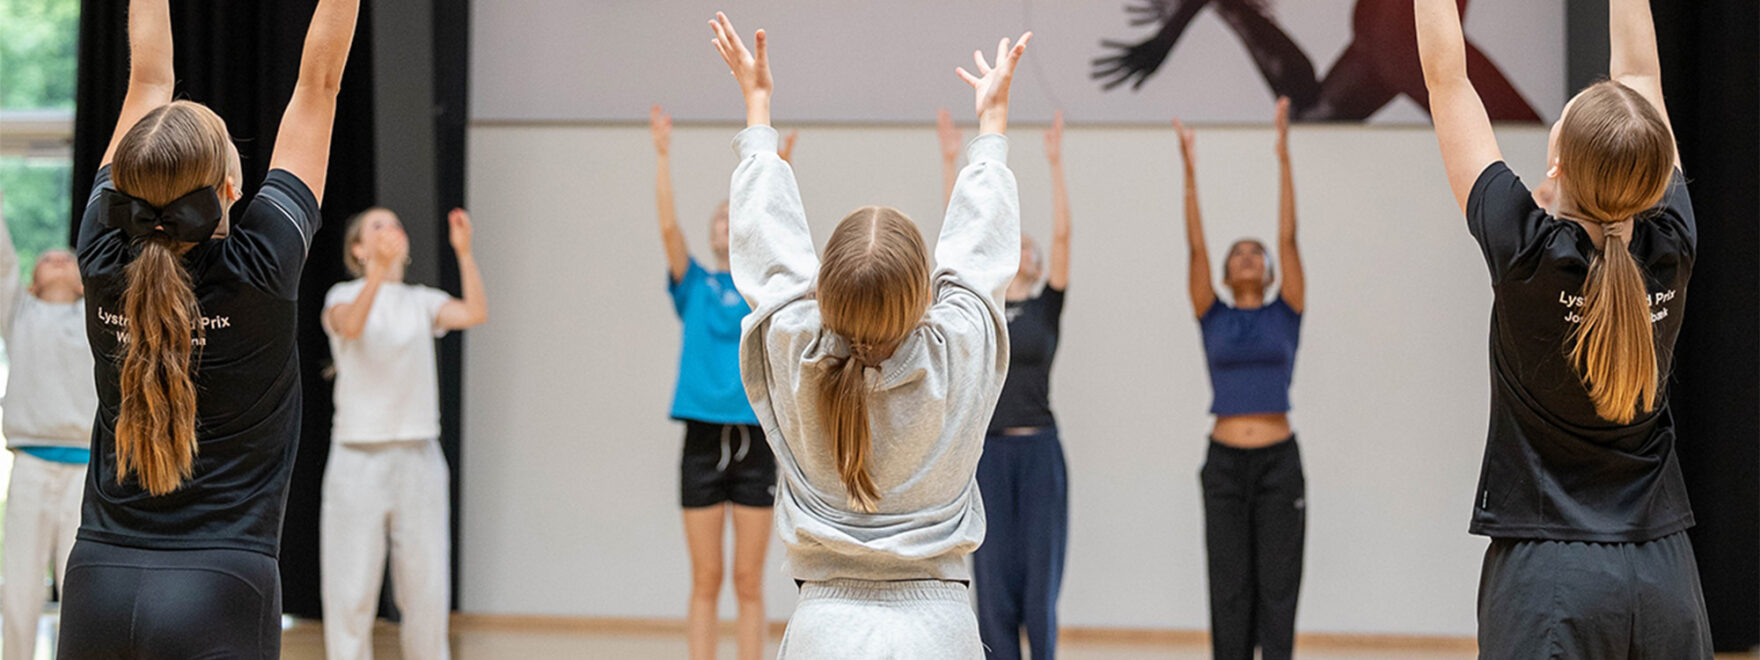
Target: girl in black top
column 1021, row 476
column 1580, row 489
column 191, row 320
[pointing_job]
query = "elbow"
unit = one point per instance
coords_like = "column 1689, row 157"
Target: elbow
column 325, row 85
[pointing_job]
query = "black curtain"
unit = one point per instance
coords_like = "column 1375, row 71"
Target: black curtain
column 1711, row 73
column 242, row 59
column 451, row 117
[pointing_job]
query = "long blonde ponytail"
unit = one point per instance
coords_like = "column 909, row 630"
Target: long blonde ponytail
column 1616, row 157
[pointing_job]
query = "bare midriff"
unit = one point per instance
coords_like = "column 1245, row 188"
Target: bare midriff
column 1251, row 431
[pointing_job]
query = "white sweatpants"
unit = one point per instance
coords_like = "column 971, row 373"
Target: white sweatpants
column 42, row 517
column 867, row 620
column 374, row 492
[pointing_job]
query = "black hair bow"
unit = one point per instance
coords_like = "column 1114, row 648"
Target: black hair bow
column 191, row 218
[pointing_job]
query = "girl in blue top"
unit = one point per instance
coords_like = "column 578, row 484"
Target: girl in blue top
column 727, row 465
column 1254, row 507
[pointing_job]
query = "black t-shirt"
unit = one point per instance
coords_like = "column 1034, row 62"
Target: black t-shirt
column 246, row 376
column 1553, row 468
column 1032, row 343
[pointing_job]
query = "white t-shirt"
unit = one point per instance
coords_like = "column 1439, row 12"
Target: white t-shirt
column 386, row 385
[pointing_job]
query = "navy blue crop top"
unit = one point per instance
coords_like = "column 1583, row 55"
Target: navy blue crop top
column 1251, row 354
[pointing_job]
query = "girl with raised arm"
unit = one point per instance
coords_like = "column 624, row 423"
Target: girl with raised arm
column 48, row 427
column 1255, row 516
column 387, row 479
column 1580, row 490
column 1019, row 568
column 727, row 469
column 875, row 378
column 192, row 323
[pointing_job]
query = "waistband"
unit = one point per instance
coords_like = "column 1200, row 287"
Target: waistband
column 1284, row 445
column 886, row 591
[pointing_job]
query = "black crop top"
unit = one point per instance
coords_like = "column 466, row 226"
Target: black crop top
column 246, row 374
column 1032, row 343
column 1553, row 468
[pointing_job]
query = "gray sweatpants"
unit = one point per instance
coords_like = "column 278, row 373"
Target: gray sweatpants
column 1607, row 601
column 867, row 620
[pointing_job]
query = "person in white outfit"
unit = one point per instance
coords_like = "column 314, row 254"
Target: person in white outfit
column 386, row 478
column 49, row 406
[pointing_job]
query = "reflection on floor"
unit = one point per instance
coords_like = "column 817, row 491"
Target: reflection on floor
column 486, row 641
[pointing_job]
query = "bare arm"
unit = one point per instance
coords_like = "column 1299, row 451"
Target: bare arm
column 1198, row 269
column 150, row 74
column 949, row 136
column 1462, row 127
column 302, row 146
column 678, row 255
column 1058, row 278
column 11, row 279
column 473, row 309
column 1295, row 287
column 1632, row 36
column 349, row 319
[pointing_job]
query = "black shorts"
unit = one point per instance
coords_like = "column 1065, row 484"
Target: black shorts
column 726, row 463
column 122, row 602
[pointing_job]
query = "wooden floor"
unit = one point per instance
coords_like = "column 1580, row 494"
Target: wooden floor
column 476, row 638
column 485, row 640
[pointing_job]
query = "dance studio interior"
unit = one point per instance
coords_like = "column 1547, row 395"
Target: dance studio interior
column 597, row 438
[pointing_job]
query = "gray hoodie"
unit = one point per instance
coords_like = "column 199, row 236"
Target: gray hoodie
column 931, row 400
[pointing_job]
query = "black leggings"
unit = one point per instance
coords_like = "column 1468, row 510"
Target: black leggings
column 129, row 603
column 1255, row 518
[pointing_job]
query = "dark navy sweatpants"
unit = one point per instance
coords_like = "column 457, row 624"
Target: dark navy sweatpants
column 1019, row 568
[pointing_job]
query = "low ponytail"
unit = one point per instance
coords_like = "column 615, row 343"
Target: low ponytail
column 1615, row 158
column 873, row 291
column 176, row 149
column 843, row 396
column 155, row 429
column 1615, row 348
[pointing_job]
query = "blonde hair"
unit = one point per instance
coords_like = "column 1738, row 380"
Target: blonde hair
column 175, row 149
column 1615, row 160
column 873, row 290
column 352, row 237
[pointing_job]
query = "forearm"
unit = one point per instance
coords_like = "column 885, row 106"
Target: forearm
column 328, row 40
column 980, row 241
column 758, row 108
column 1441, row 46
column 671, row 237
column 1286, row 202
column 993, row 119
column 351, row 318
column 1194, row 219
column 1632, row 38
column 949, row 175
column 771, row 246
column 476, row 298
column 149, row 46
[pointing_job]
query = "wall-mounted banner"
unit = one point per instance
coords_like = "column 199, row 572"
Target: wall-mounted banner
column 1117, row 61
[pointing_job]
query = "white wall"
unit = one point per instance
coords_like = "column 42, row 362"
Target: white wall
column 570, row 483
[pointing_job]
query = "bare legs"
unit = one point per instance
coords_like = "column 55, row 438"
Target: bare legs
column 703, row 528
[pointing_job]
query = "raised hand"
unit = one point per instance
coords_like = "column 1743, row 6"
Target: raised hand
column 992, row 83
column 949, row 135
column 786, row 151
column 751, row 69
column 1188, row 143
column 1054, row 139
column 660, row 125
column 1283, row 127
column 458, row 224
